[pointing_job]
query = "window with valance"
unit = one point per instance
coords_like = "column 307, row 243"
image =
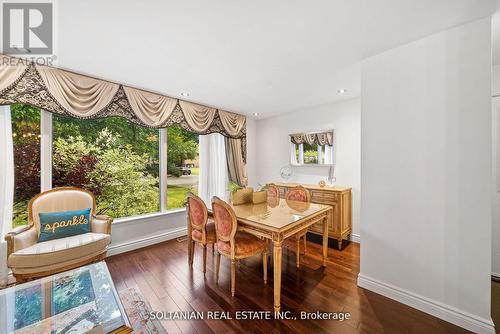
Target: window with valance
column 66, row 93
column 312, row 148
column 90, row 116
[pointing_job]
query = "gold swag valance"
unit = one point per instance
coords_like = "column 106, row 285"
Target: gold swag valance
column 67, row 93
column 320, row 138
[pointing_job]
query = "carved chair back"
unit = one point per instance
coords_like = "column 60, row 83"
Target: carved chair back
column 273, row 191
column 197, row 214
column 299, row 194
column 226, row 222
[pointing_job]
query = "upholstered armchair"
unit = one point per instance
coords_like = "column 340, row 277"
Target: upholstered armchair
column 234, row 244
column 201, row 228
column 299, row 194
column 29, row 259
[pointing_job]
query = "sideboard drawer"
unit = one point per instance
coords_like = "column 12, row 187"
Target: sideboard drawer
column 323, row 197
column 326, row 195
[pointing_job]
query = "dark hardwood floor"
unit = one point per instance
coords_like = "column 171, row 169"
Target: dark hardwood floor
column 161, row 272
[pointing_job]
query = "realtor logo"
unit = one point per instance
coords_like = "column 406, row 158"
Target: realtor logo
column 27, row 28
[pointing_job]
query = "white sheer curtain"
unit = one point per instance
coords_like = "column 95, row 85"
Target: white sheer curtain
column 320, row 154
column 328, row 154
column 213, row 168
column 301, row 154
column 6, row 171
column 293, row 154
column 6, row 186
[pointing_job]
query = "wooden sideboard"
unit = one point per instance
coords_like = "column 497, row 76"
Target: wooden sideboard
column 340, row 198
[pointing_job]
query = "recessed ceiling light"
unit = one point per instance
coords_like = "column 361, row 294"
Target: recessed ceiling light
column 341, row 91
column 256, row 114
column 185, row 94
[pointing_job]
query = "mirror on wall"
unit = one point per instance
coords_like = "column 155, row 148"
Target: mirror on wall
column 314, row 148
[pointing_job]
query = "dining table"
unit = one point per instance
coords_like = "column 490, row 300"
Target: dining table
column 278, row 219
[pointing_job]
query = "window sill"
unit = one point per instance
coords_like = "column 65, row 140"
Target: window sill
column 132, row 219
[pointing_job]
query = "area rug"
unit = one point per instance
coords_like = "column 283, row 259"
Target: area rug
column 138, row 309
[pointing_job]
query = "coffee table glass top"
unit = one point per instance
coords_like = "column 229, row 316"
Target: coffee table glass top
column 76, row 301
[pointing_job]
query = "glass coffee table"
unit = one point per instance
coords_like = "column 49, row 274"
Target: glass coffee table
column 83, row 300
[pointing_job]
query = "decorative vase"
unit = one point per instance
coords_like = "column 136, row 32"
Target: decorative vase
column 260, row 197
column 242, row 196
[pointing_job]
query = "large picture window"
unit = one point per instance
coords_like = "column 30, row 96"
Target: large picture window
column 26, row 141
column 118, row 161
column 115, row 159
column 183, row 166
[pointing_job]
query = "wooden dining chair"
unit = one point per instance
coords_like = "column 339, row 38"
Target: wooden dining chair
column 273, row 196
column 299, row 194
column 200, row 226
column 234, row 244
column 273, row 191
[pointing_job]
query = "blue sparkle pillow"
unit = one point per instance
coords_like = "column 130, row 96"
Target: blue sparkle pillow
column 55, row 225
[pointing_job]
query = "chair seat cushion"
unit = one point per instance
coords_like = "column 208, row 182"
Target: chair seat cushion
column 59, row 251
column 210, row 228
column 244, row 244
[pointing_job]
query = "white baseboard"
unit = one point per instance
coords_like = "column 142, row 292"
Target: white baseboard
column 435, row 308
column 495, row 275
column 160, row 237
column 146, row 241
column 355, row 238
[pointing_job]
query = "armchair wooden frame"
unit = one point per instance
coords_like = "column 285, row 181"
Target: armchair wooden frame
column 231, row 239
column 10, row 237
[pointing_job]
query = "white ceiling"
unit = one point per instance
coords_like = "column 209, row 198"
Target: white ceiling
column 259, row 56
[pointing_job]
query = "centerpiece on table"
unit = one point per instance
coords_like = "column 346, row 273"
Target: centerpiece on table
column 260, row 196
column 240, row 195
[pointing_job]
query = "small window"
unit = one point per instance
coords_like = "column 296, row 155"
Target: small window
column 311, row 154
column 312, row 148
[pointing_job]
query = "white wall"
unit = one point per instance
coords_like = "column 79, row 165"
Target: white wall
column 495, row 86
column 495, row 235
column 273, row 147
column 426, row 175
column 252, row 151
column 495, row 230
